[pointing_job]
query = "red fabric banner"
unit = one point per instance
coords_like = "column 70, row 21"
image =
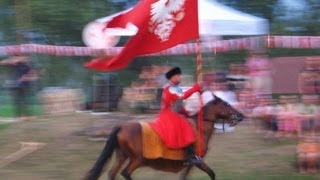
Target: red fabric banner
column 161, row 24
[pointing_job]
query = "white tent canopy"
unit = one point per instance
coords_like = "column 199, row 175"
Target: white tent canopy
column 215, row 19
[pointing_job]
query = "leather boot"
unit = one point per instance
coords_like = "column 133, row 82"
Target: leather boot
column 192, row 159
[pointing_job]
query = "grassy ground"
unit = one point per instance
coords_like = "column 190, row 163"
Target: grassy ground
column 4, row 126
column 8, row 110
column 7, row 107
column 240, row 155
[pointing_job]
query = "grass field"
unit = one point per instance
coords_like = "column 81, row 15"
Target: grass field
column 4, row 126
column 7, row 107
column 8, row 110
column 240, row 155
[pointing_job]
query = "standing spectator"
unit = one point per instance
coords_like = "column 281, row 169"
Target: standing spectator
column 288, row 116
column 308, row 133
column 265, row 116
column 307, row 82
column 260, row 73
column 247, row 100
column 20, row 86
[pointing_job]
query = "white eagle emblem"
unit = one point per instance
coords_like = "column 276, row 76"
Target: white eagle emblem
column 164, row 15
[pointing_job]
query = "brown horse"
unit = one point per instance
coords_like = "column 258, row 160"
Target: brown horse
column 126, row 141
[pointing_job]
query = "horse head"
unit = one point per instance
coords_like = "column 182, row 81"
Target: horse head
column 219, row 109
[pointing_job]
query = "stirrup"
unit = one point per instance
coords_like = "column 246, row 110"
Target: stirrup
column 193, row 160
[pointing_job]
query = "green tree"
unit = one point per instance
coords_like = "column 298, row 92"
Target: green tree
column 261, row 8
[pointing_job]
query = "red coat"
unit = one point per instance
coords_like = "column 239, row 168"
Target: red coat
column 174, row 130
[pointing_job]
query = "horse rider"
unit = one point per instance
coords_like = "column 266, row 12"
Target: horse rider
column 173, row 128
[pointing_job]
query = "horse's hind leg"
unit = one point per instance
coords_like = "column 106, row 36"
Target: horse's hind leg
column 131, row 144
column 204, row 167
column 185, row 173
column 120, row 159
column 133, row 165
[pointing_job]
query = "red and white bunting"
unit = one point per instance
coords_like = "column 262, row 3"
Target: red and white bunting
column 294, row 42
column 248, row 43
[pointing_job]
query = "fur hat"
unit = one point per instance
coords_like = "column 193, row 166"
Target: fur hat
column 172, row 72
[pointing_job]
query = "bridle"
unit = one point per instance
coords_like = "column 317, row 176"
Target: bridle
column 234, row 116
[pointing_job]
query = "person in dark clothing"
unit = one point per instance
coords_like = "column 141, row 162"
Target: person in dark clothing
column 20, row 86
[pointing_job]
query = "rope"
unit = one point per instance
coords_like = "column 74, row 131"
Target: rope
column 304, row 42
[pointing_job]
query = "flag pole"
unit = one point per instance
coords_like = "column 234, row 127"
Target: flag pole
column 200, row 116
column 199, row 62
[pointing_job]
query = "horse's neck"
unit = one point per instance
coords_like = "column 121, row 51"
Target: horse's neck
column 208, row 127
column 192, row 104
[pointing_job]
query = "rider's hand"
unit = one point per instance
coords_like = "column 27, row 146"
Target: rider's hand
column 201, row 89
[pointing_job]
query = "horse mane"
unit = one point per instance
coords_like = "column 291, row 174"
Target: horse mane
column 205, row 107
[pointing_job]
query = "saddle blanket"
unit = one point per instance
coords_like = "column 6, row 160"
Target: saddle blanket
column 153, row 147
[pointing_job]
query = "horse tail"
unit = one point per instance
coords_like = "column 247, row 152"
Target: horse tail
column 105, row 155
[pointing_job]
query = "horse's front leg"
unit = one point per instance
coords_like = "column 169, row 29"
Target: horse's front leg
column 204, row 167
column 185, row 172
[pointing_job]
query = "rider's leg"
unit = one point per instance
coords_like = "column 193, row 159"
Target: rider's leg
column 192, row 158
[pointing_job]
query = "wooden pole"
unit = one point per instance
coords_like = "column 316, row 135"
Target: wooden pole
column 200, row 144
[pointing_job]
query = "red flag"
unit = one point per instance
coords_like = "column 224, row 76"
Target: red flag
column 162, row 24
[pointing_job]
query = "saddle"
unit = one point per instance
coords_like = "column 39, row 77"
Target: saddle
column 154, row 148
